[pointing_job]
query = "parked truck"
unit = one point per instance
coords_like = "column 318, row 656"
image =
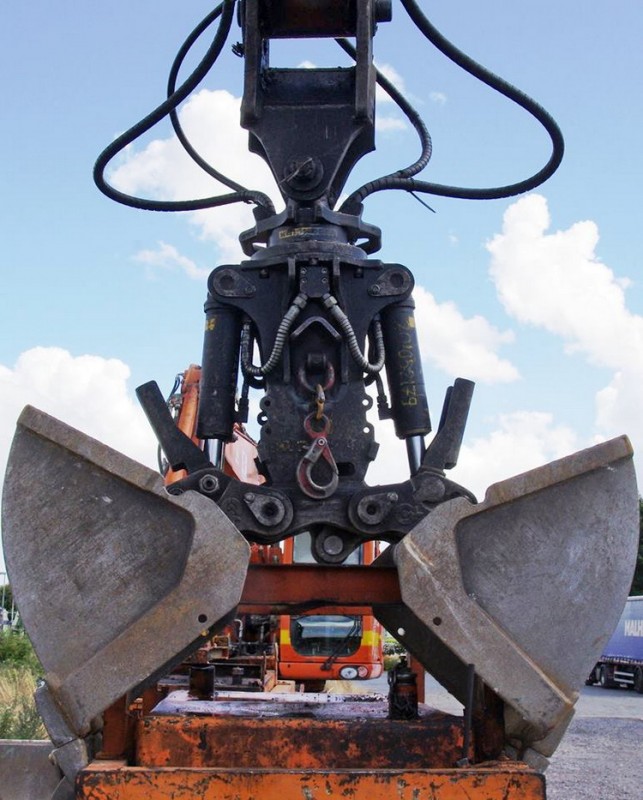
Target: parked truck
column 621, row 663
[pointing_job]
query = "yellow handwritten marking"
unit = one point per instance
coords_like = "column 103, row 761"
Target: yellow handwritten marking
column 294, row 232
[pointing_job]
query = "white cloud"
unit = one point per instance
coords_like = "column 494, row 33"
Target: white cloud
column 394, row 77
column 389, row 124
column 521, row 441
column 385, row 123
column 557, row 282
column 391, row 464
column 88, row 392
column 210, row 120
column 438, row 97
column 468, row 347
column 619, row 404
column 167, row 257
column 461, row 346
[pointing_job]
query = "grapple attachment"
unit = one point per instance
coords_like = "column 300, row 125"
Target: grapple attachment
column 527, row 586
column 115, row 579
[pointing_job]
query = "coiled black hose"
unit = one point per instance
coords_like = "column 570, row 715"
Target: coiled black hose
column 414, row 118
column 495, row 82
column 259, row 197
column 226, row 11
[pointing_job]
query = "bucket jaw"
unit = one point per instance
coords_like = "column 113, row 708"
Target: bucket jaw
column 527, row 586
column 115, row 579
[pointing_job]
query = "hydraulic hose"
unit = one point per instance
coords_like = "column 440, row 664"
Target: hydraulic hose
column 495, row 82
column 226, row 11
column 259, row 197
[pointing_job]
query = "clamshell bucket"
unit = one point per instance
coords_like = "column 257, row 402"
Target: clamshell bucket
column 114, row 578
column 526, row 586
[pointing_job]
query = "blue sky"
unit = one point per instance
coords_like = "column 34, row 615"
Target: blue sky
column 539, row 299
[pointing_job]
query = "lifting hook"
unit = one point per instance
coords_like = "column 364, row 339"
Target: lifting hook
column 318, row 449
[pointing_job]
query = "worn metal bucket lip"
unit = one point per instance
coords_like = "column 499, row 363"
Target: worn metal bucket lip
column 26, row 770
column 599, row 456
column 209, row 581
column 432, row 583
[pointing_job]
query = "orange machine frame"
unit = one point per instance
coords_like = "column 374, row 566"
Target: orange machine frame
column 232, row 749
column 364, row 663
column 240, row 453
column 160, row 747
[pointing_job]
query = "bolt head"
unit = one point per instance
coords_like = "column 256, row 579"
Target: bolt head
column 209, row 484
column 303, row 172
column 332, row 545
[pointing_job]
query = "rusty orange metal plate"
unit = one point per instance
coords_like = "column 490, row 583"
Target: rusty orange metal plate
column 113, row 781
column 300, row 742
column 284, row 588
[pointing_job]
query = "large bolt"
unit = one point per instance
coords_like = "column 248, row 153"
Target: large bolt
column 209, row 484
column 373, row 509
column 433, row 489
column 332, row 544
column 303, row 172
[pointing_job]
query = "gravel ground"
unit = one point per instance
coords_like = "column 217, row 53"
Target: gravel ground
column 599, row 759
column 601, row 754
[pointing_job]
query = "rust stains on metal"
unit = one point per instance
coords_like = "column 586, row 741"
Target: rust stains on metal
column 494, row 782
column 283, row 587
column 301, row 741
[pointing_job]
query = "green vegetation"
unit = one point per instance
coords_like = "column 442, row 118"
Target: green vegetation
column 16, row 652
column 391, row 645
column 391, row 661
column 6, row 595
column 18, row 716
column 393, row 650
column 19, row 671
